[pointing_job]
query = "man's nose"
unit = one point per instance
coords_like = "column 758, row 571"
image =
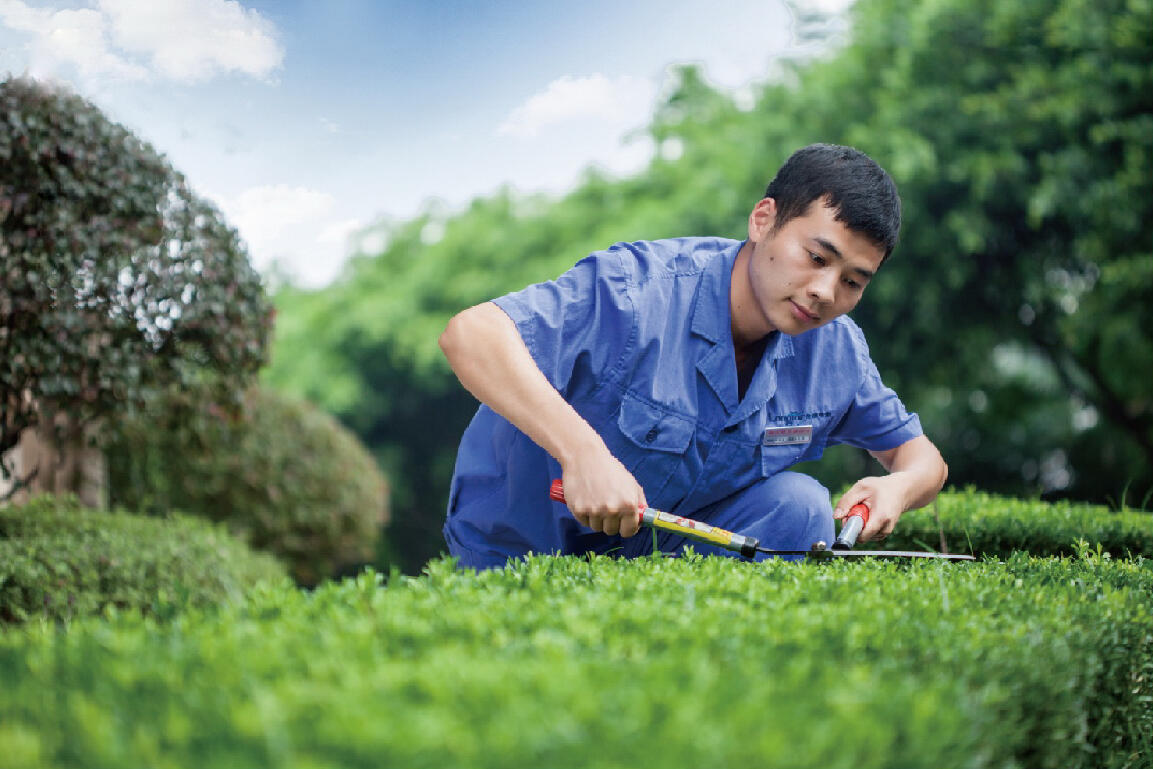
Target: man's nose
column 823, row 287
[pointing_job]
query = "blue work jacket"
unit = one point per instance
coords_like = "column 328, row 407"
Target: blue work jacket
column 638, row 340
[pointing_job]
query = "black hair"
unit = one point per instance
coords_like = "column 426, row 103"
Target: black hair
column 863, row 195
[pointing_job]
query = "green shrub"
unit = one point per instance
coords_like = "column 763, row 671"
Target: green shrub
column 61, row 561
column 282, row 473
column 570, row 662
column 987, row 524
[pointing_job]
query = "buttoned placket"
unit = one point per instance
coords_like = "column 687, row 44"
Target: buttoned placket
column 737, row 443
column 733, row 443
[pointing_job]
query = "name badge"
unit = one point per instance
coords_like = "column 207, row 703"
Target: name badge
column 787, row 436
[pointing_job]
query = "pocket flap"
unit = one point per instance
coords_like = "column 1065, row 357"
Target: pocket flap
column 651, row 427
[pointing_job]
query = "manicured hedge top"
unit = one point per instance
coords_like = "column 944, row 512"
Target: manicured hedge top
column 60, row 561
column 987, row 524
column 569, row 662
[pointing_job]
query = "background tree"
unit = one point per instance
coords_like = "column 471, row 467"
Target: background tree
column 117, row 280
column 1017, row 314
column 1014, row 316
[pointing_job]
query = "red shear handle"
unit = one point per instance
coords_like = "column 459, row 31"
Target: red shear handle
column 861, row 510
column 556, row 493
column 852, row 527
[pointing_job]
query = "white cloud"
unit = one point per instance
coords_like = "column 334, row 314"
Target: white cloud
column 76, row 38
column 195, row 39
column 183, row 40
column 263, row 213
column 828, row 6
column 617, row 101
column 297, row 228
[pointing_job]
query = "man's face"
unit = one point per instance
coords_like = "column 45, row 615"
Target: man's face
column 808, row 272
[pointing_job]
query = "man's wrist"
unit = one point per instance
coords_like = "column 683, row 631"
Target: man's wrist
column 577, row 445
column 916, row 489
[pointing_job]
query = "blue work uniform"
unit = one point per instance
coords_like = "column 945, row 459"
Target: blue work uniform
column 638, row 340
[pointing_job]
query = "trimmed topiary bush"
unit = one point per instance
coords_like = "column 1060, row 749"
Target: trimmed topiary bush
column 280, row 472
column 118, row 280
column 61, row 561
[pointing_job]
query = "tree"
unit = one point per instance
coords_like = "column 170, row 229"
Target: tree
column 1017, row 311
column 117, row 280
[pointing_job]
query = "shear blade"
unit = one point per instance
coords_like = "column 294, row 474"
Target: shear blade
column 824, row 555
column 889, row 554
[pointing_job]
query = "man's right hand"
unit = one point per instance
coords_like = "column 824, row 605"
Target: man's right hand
column 602, row 494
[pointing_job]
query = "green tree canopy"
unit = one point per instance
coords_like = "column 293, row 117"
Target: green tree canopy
column 1021, row 134
column 117, row 279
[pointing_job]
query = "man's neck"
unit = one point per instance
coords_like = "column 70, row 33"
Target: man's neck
column 748, row 325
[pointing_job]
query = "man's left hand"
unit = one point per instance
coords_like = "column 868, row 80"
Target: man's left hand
column 885, row 498
column 916, row 473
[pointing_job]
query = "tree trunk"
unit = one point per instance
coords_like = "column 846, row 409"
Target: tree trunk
column 64, row 460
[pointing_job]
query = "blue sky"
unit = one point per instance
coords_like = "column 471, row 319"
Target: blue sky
column 306, row 122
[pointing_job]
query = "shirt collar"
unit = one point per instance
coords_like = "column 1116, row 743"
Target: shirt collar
column 712, row 311
column 712, row 320
column 780, row 347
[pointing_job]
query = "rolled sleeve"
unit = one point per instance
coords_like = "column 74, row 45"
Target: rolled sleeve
column 576, row 327
column 877, row 419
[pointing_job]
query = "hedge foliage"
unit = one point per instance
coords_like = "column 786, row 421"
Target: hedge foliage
column 280, row 472
column 60, row 561
column 989, row 524
column 571, row 662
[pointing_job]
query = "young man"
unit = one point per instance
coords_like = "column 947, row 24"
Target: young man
column 688, row 375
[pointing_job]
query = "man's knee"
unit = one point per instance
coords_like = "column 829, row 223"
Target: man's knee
column 799, row 511
column 787, row 511
column 800, row 489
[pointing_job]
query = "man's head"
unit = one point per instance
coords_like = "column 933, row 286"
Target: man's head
column 862, row 194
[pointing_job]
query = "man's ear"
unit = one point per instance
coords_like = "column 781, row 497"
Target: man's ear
column 762, row 219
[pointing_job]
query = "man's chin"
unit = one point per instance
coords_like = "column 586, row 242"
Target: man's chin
column 797, row 327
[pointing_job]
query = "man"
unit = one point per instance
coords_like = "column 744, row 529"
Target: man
column 688, row 375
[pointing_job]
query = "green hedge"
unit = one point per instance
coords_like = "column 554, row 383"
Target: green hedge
column 569, row 662
column 61, row 561
column 282, row 473
column 987, row 524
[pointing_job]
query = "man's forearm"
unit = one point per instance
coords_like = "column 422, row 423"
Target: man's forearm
column 487, row 354
column 920, row 465
column 491, row 360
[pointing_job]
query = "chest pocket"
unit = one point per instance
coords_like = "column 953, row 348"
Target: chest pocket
column 654, row 442
column 775, row 458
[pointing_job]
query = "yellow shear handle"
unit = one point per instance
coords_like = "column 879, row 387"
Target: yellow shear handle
column 685, row 527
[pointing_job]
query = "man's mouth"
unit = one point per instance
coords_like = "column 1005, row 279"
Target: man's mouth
column 803, row 314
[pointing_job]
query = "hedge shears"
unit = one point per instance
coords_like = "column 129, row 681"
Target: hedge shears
column 749, row 546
